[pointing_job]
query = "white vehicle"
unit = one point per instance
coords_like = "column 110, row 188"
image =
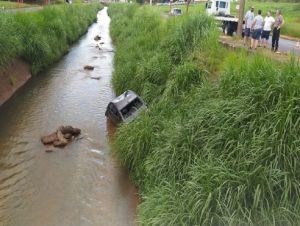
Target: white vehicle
column 221, row 10
column 176, row 12
column 218, row 7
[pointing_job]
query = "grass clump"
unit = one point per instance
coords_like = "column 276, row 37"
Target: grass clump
column 42, row 37
column 222, row 153
column 10, row 42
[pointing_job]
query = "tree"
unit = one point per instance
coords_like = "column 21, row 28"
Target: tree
column 187, row 6
column 241, row 17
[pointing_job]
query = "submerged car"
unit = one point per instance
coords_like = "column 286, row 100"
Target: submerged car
column 125, row 107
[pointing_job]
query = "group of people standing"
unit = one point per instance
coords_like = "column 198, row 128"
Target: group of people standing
column 258, row 28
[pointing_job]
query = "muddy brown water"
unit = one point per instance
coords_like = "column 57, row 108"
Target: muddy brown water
column 81, row 184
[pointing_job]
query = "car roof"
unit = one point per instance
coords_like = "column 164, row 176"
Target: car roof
column 124, row 99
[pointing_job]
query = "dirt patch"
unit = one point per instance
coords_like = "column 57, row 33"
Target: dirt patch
column 233, row 43
column 12, row 78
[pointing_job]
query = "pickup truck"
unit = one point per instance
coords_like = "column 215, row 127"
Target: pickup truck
column 220, row 9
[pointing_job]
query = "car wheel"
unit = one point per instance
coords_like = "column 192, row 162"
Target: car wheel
column 226, row 28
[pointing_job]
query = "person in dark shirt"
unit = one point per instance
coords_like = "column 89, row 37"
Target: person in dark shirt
column 276, row 31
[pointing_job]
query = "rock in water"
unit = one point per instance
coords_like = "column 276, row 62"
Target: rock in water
column 96, row 78
column 49, row 139
column 76, row 132
column 61, row 137
column 97, row 38
column 88, row 67
column 48, row 150
column 59, row 144
column 66, row 129
column 68, row 136
column 69, row 129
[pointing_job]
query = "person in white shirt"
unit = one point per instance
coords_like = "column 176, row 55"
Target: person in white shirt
column 249, row 17
column 269, row 21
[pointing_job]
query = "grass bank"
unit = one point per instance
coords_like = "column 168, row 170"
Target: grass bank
column 12, row 5
column 42, row 37
column 221, row 153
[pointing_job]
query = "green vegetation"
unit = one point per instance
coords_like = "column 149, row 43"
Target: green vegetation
column 11, row 5
column 14, row 4
column 42, row 37
column 206, row 153
column 290, row 12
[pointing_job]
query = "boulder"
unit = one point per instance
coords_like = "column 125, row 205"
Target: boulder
column 96, row 78
column 59, row 144
column 76, row 132
column 88, row 67
column 69, row 129
column 61, row 137
column 97, row 38
column 48, row 150
column 49, row 139
column 68, row 136
column 98, row 46
column 66, row 129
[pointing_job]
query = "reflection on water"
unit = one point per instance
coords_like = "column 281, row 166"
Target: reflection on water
column 81, row 184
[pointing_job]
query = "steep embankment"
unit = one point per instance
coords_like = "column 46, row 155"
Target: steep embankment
column 222, row 153
column 12, row 78
column 39, row 39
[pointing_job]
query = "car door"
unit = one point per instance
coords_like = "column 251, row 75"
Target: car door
column 115, row 113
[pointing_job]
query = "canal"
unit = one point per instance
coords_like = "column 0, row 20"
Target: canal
column 83, row 183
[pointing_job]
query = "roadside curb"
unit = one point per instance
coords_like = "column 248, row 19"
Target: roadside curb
column 235, row 45
column 24, row 9
column 289, row 38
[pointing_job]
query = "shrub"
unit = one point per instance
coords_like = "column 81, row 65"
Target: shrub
column 42, row 37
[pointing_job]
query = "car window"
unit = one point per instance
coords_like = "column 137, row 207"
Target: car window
column 132, row 107
column 208, row 4
column 223, row 5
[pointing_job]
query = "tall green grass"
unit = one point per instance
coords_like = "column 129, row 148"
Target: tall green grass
column 204, row 153
column 12, row 5
column 10, row 43
column 42, row 37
